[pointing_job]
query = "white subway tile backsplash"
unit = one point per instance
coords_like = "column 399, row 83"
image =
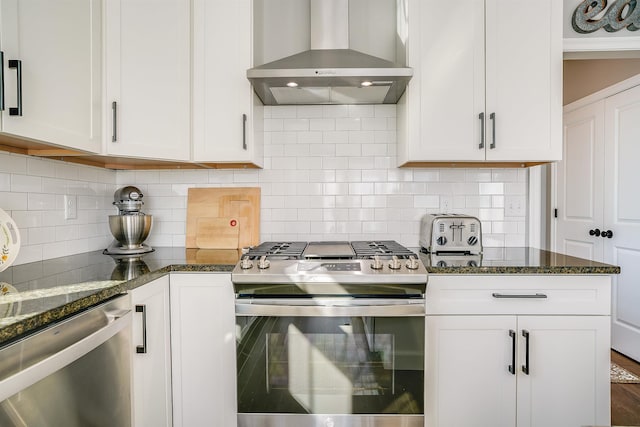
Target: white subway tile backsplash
column 374, row 123
column 41, row 202
column 330, row 173
column 309, row 111
column 11, row 163
column 374, row 201
column 311, row 137
column 295, row 125
column 492, row 188
column 345, row 124
column 5, row 182
column 385, row 110
column 335, row 111
column 337, row 137
column 361, row 111
column 348, row 150
column 322, row 124
column 363, row 188
column 284, row 112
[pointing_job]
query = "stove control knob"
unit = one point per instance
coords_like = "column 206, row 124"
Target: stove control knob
column 472, row 263
column 395, row 263
column 412, row 263
column 246, row 263
column 441, row 264
column 264, row 263
column 472, row 240
column 441, row 240
column 376, row 264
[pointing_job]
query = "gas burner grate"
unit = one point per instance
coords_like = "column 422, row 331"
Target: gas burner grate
column 382, row 248
column 283, row 250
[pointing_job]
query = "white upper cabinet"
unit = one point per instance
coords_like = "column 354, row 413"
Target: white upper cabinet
column 147, row 93
column 52, row 71
column 485, row 86
column 227, row 115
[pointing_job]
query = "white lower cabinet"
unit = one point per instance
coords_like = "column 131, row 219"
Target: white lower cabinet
column 203, row 350
column 151, row 353
column 519, row 366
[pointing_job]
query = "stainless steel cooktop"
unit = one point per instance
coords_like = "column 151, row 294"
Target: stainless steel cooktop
column 358, row 262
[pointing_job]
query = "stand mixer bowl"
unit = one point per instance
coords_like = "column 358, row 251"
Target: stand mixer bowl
column 130, row 230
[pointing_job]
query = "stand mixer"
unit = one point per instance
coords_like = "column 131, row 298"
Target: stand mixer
column 131, row 226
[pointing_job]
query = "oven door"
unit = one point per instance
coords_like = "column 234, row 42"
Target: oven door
column 334, row 362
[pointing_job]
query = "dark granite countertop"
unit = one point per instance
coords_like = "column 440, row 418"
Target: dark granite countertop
column 37, row 294
column 514, row 261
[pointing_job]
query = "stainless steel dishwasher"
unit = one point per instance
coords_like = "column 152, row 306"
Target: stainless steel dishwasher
column 73, row 374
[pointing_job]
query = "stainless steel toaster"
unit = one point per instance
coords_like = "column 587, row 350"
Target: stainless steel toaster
column 451, row 233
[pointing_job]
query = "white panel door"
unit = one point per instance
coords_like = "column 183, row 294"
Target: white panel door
column 227, row 115
column 151, row 368
column 148, row 78
column 622, row 216
column 467, row 377
column 449, row 63
column 524, row 80
column 568, row 380
column 579, row 184
column 59, row 44
column 203, row 350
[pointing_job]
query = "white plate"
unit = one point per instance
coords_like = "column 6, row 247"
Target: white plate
column 11, row 308
column 9, row 240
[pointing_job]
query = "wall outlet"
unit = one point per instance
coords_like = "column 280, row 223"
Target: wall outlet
column 445, row 204
column 70, row 207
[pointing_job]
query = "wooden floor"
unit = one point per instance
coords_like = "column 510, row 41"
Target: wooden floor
column 625, row 398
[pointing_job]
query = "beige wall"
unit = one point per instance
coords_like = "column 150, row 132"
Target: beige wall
column 583, row 77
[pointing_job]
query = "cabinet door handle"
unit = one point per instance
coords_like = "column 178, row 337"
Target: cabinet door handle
column 142, row 348
column 481, row 117
column 244, row 131
column 512, row 367
column 519, row 296
column 1, row 80
column 492, row 116
column 17, row 64
column 525, row 367
column 114, row 112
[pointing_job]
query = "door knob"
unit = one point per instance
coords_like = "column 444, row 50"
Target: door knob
column 607, row 234
column 595, row 232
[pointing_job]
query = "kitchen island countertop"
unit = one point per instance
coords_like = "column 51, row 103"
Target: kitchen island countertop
column 38, row 294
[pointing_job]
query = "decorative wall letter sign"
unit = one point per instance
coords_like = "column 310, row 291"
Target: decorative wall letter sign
column 621, row 14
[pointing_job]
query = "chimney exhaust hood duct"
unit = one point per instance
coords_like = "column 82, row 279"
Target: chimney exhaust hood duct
column 329, row 73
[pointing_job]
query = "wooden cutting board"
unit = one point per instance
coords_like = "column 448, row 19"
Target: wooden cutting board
column 210, row 212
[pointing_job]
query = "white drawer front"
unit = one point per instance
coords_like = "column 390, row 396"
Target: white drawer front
column 516, row 294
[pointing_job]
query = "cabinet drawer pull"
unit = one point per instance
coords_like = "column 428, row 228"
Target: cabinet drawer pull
column 17, row 64
column 114, row 111
column 492, row 116
column 525, row 367
column 1, row 80
column 519, row 296
column 142, row 349
column 512, row 367
column 481, row 117
column 244, row 131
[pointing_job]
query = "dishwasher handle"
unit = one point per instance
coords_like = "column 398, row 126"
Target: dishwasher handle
column 117, row 320
column 330, row 307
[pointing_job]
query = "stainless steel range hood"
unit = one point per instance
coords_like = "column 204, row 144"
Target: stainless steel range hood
column 330, row 72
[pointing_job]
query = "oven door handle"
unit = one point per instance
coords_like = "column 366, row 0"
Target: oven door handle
column 330, row 307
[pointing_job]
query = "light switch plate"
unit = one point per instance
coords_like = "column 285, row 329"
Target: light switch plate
column 70, row 207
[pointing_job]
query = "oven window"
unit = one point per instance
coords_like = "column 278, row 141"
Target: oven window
column 330, row 365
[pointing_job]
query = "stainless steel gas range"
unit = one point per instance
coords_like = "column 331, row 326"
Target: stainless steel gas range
column 330, row 334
